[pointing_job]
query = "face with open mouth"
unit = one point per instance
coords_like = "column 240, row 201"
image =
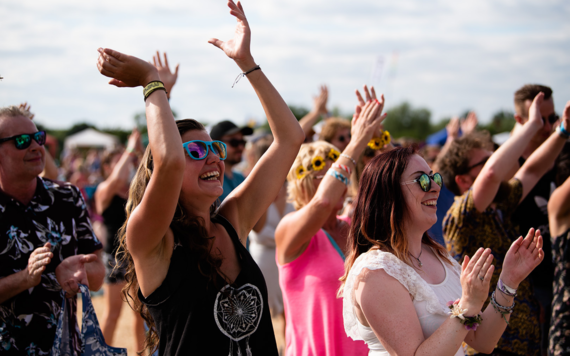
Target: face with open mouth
column 422, row 206
column 202, row 178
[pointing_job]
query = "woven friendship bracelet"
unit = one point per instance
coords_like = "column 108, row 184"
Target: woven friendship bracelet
column 350, row 158
column 152, row 87
column 340, row 177
column 241, row 75
column 343, row 167
column 501, row 309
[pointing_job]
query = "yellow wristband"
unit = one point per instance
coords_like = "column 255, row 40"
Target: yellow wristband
column 152, row 87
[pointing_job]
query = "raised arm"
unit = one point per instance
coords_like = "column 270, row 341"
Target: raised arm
column 247, row 203
column 151, row 219
column 559, row 209
column 166, row 76
column 118, row 178
column 542, row 159
column 294, row 232
column 497, row 168
column 319, row 108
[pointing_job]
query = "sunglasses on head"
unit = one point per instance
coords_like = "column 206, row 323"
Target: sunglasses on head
column 552, row 118
column 234, row 142
column 342, row 138
column 425, row 181
column 25, row 140
column 198, row 150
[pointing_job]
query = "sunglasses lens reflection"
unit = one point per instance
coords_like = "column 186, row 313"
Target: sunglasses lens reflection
column 425, row 182
column 23, row 141
column 197, row 150
column 438, row 179
column 40, row 137
column 219, row 149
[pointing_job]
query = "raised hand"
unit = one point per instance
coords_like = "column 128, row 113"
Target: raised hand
column 71, row 272
column 368, row 121
column 523, row 257
column 37, row 263
column 534, row 115
column 134, row 141
column 476, row 273
column 166, row 76
column 238, row 47
column 370, row 96
column 452, row 128
column 320, row 101
column 27, row 107
column 470, row 123
column 126, row 71
column 566, row 117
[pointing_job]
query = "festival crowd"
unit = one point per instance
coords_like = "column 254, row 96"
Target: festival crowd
column 366, row 244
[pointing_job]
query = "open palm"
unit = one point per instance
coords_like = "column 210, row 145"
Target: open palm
column 238, row 47
column 523, row 257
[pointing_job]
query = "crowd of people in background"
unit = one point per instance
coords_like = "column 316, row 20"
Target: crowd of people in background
column 364, row 243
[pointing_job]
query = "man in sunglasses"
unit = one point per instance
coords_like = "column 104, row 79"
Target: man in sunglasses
column 532, row 211
column 233, row 136
column 482, row 214
column 46, row 241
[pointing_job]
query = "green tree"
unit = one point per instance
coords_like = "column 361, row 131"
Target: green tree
column 502, row 121
column 406, row 121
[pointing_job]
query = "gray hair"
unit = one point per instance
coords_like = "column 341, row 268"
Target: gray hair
column 14, row 111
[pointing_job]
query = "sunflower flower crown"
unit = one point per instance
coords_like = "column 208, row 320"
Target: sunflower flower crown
column 317, row 163
column 378, row 143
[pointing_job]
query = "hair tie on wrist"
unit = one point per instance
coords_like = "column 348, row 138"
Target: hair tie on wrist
column 152, row 87
column 241, row 75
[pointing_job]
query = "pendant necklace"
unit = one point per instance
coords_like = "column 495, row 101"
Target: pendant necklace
column 418, row 258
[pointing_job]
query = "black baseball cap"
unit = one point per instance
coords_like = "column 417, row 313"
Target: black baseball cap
column 227, row 127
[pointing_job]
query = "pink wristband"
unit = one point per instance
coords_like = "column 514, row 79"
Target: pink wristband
column 343, row 167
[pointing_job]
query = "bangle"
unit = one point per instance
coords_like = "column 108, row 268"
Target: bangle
column 241, row 75
column 505, row 289
column 561, row 131
column 501, row 309
column 470, row 322
column 152, row 87
column 338, row 176
column 343, row 167
column 350, row 158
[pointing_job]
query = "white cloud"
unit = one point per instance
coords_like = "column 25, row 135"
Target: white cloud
column 451, row 55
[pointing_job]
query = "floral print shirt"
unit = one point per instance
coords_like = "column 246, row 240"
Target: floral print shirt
column 56, row 214
column 466, row 230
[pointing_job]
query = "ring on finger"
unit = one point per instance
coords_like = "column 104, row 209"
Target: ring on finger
column 481, row 278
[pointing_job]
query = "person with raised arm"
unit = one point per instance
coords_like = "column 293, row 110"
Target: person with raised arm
column 559, row 221
column 403, row 294
column 198, row 287
column 481, row 216
column 311, row 242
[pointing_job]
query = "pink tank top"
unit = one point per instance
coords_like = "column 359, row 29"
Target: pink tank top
column 313, row 313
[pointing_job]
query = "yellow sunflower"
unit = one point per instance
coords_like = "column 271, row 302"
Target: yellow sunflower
column 387, row 138
column 318, row 163
column 333, row 155
column 376, row 143
column 300, row 171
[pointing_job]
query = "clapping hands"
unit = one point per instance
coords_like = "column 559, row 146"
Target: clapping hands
column 523, row 257
column 125, row 70
column 368, row 117
column 476, row 273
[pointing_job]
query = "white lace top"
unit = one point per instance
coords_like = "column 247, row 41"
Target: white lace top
column 429, row 299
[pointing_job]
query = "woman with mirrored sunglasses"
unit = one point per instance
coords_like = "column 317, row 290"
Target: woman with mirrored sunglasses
column 198, row 288
column 403, row 294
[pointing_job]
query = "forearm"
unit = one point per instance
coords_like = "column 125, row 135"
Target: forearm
column 13, row 285
column 445, row 341
column 50, row 169
column 541, row 160
column 308, row 121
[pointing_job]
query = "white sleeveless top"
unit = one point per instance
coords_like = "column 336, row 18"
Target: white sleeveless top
column 430, row 300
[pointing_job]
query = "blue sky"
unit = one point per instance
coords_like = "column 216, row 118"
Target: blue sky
column 444, row 55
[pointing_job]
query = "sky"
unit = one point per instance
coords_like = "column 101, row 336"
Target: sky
column 446, row 56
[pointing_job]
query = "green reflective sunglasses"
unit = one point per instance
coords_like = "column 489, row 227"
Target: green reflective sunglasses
column 425, row 181
column 25, row 140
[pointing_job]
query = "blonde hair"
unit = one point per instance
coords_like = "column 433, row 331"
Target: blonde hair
column 331, row 126
column 300, row 189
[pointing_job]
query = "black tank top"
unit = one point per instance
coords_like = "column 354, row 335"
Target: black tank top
column 114, row 217
column 193, row 317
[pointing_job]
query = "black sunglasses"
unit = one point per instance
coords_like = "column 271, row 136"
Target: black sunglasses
column 425, row 181
column 342, row 138
column 25, row 140
column 552, row 118
column 234, row 142
column 482, row 162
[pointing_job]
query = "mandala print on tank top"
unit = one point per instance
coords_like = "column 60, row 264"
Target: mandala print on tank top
column 237, row 312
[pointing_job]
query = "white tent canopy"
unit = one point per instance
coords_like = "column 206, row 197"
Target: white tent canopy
column 91, row 138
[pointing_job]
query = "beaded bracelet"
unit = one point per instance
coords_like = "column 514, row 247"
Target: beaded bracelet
column 152, row 87
column 501, row 309
column 340, row 177
column 343, row 167
column 350, row 158
column 470, row 322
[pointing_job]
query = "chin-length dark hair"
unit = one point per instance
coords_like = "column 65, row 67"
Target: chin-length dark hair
column 189, row 229
column 381, row 212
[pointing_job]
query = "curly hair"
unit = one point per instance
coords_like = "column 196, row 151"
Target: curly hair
column 190, row 230
column 455, row 161
column 300, row 190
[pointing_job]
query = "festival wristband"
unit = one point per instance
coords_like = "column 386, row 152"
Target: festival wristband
column 562, row 131
column 338, row 176
column 152, row 87
column 343, row 167
column 505, row 289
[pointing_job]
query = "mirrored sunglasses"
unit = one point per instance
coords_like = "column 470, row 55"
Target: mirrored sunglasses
column 25, row 140
column 198, row 150
column 425, row 181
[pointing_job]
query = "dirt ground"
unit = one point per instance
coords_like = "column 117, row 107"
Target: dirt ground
column 124, row 336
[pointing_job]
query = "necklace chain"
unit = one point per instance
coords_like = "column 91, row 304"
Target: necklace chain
column 418, row 258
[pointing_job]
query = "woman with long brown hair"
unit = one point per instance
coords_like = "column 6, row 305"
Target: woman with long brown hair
column 198, row 287
column 400, row 285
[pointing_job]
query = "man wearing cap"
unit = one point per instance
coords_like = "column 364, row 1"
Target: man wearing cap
column 232, row 135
